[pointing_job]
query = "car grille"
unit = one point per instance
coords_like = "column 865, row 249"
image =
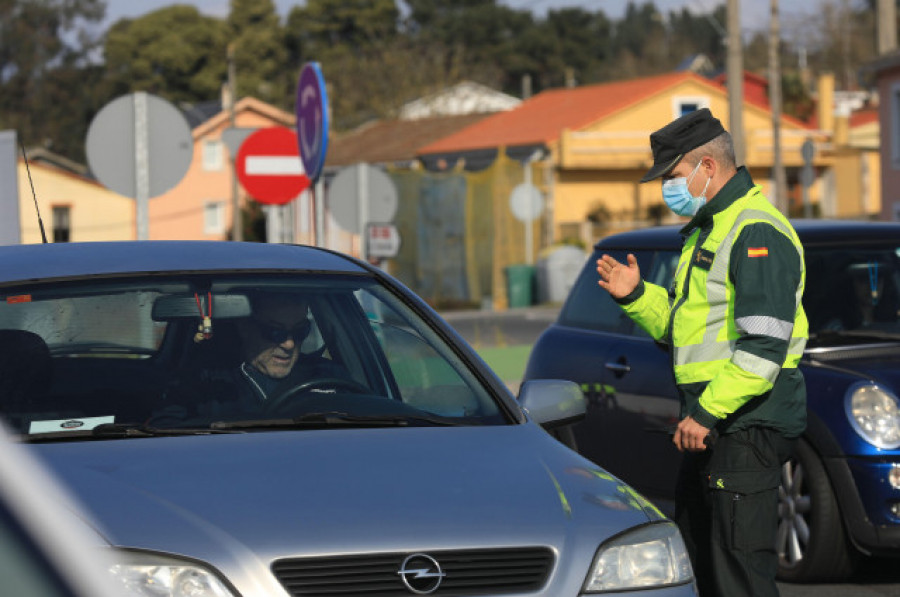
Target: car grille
column 468, row 572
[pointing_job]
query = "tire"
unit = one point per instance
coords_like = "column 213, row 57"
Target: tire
column 812, row 544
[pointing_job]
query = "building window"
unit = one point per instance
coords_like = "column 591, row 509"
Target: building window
column 682, row 105
column 62, row 228
column 212, row 155
column 214, row 217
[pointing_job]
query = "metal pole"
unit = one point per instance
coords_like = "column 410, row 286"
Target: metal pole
column 529, row 223
column 735, row 74
column 141, row 164
column 319, row 208
column 362, row 193
column 780, row 179
column 887, row 28
column 237, row 220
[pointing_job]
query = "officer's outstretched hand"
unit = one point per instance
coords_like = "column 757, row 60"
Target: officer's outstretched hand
column 617, row 278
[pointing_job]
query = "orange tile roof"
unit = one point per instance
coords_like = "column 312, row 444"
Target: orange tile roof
column 389, row 141
column 541, row 118
column 864, row 116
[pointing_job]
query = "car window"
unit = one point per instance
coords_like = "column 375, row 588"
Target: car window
column 589, row 306
column 191, row 352
column 117, row 320
column 852, row 291
column 426, row 374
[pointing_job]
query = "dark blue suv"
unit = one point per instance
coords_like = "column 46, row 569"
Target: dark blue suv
column 840, row 494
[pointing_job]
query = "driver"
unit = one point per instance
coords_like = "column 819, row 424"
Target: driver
column 272, row 362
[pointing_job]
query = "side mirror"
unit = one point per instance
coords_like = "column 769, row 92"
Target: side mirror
column 553, row 402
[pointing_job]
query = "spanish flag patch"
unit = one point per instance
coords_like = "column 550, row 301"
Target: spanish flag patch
column 758, row 252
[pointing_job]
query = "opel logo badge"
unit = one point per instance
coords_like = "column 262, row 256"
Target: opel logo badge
column 421, row 574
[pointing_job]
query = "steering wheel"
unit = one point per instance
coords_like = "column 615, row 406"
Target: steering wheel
column 348, row 385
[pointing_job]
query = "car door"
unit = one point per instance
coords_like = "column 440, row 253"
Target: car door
column 634, row 402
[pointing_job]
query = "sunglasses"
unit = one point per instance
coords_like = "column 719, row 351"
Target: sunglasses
column 279, row 335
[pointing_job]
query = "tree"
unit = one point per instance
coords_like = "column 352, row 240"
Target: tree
column 370, row 65
column 260, row 53
column 46, row 82
column 174, row 52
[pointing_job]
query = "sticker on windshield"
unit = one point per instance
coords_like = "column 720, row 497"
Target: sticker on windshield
column 85, row 424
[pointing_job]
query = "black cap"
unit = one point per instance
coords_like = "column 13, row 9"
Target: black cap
column 671, row 142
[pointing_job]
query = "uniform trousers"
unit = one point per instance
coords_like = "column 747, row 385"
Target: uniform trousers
column 727, row 509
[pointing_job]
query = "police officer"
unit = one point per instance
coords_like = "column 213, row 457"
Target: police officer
column 736, row 329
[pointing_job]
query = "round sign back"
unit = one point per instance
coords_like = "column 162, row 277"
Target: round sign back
column 134, row 130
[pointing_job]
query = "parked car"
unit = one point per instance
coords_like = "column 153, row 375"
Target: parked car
column 840, row 494
column 407, row 467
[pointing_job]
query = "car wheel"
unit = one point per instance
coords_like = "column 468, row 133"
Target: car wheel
column 812, row 543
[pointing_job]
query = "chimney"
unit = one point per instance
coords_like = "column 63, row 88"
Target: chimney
column 825, row 105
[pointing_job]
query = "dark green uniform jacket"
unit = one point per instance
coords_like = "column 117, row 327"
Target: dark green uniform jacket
column 733, row 317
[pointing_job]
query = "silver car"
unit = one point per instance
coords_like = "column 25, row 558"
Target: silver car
column 267, row 420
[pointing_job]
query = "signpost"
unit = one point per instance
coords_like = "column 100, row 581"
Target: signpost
column 312, row 132
column 140, row 146
column 526, row 203
column 807, row 174
column 359, row 195
column 269, row 167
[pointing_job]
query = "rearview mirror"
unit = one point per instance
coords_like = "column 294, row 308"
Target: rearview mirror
column 224, row 306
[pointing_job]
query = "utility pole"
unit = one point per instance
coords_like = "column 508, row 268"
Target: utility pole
column 779, row 177
column 735, row 75
column 887, row 29
column 237, row 223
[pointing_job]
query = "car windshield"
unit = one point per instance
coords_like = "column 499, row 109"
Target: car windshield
column 852, row 295
column 225, row 353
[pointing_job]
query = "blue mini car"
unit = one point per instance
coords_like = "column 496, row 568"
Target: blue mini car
column 249, row 420
column 840, row 494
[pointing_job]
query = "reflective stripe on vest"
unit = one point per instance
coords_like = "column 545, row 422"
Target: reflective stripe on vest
column 701, row 361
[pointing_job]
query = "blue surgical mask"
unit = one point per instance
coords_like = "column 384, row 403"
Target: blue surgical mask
column 679, row 199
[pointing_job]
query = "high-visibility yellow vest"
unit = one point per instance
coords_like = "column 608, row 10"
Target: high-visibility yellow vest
column 703, row 327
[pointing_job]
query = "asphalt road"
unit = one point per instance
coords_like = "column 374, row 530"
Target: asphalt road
column 522, row 326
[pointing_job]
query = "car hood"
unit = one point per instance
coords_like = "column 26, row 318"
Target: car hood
column 294, row 493
column 882, row 368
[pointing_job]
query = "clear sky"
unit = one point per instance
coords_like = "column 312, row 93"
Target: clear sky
column 754, row 13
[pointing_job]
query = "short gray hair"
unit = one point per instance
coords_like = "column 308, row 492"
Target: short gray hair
column 720, row 148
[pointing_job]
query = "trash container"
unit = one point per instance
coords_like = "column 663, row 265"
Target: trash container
column 557, row 270
column 520, row 285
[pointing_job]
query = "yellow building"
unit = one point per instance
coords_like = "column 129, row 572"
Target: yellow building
column 73, row 207
column 593, row 143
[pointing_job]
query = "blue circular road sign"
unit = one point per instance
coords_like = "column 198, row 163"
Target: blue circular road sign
column 312, row 119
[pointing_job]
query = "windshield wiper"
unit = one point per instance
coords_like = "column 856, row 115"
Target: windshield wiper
column 122, row 430
column 337, row 419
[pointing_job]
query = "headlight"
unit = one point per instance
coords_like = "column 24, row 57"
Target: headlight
column 875, row 414
column 651, row 556
column 158, row 576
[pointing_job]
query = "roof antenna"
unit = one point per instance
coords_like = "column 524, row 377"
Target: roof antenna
column 31, row 182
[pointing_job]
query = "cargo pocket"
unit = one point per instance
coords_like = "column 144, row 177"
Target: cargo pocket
column 747, row 504
column 754, row 520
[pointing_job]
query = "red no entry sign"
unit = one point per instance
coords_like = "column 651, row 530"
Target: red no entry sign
column 268, row 166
